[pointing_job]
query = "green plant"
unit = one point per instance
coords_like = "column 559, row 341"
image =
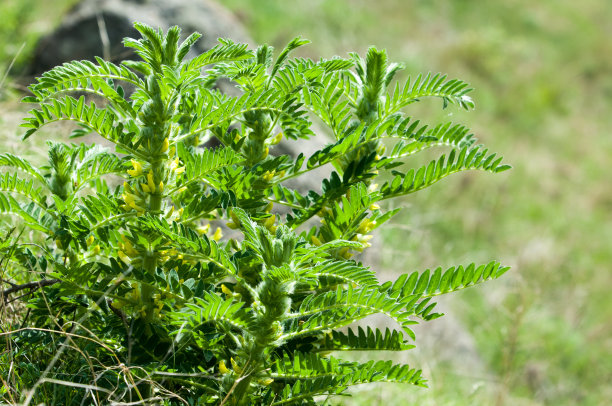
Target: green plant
column 21, row 26
column 137, row 299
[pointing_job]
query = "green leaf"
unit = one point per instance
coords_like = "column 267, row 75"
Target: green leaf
column 364, row 340
column 425, row 176
column 293, row 44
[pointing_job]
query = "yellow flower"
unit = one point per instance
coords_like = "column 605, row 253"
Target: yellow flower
column 137, row 171
column 203, row 229
column 235, row 366
column 136, row 207
column 218, row 234
column 222, row 368
column 276, row 139
column 344, row 253
column 130, row 200
column 124, row 257
column 267, row 176
column 364, row 238
column 151, row 182
column 225, row 289
column 170, row 211
column 170, row 252
column 269, row 222
column 165, row 145
column 366, row 226
column 90, row 240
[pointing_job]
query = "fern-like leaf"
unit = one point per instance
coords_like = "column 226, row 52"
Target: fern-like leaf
column 346, row 374
column 200, row 165
column 342, row 307
column 345, row 271
column 226, row 51
column 452, row 91
column 437, row 282
column 467, row 158
column 14, row 161
column 363, row 340
column 103, row 121
column 13, row 184
column 212, row 308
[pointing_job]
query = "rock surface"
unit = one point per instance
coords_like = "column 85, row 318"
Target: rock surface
column 96, row 28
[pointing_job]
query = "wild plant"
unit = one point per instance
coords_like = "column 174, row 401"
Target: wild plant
column 132, row 292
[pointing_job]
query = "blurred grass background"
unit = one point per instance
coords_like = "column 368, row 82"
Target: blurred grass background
column 543, row 78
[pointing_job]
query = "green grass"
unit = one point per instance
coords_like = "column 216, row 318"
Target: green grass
column 22, row 22
column 543, row 94
column 543, row 100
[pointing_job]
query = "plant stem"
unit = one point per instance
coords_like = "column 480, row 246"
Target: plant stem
column 146, row 290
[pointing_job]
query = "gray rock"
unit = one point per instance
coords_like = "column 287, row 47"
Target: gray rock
column 96, row 28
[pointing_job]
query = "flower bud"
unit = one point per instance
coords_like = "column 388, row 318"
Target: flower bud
column 269, row 222
column 203, row 229
column 315, row 240
column 165, row 145
column 277, row 138
column 218, row 234
column 151, row 182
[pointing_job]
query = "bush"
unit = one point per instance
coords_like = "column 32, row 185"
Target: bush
column 138, row 297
